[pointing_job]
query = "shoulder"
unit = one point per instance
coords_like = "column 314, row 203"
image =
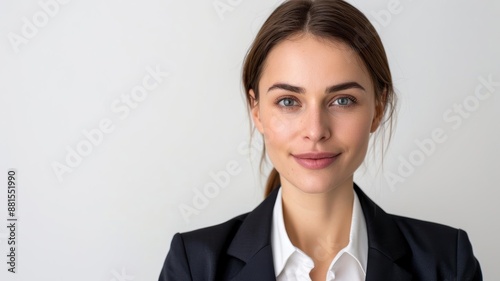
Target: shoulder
column 213, row 237
column 428, row 234
column 416, row 230
column 208, row 252
column 196, row 253
column 435, row 244
column 426, row 250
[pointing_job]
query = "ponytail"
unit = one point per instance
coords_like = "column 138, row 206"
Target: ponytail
column 273, row 182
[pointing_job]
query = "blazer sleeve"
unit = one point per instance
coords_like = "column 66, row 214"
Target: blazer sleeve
column 468, row 268
column 176, row 266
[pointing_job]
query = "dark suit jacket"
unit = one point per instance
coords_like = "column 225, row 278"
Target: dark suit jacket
column 399, row 249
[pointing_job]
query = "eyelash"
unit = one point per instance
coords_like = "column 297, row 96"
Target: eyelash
column 351, row 99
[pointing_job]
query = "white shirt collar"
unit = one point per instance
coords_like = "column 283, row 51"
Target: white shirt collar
column 283, row 248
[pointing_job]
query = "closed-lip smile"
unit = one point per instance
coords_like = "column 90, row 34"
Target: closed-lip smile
column 315, row 160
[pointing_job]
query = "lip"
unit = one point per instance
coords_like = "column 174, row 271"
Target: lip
column 315, row 160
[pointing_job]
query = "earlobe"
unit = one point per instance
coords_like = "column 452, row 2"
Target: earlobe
column 255, row 112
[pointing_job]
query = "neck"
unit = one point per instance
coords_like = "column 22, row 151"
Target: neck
column 319, row 224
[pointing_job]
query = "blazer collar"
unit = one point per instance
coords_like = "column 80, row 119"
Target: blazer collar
column 386, row 244
column 252, row 243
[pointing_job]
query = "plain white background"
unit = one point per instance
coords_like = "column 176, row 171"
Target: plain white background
column 175, row 157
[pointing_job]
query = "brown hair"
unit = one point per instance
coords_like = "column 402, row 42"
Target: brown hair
column 331, row 19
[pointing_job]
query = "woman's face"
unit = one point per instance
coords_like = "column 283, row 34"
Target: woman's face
column 316, row 110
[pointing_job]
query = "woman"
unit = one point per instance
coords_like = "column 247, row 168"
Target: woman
column 318, row 85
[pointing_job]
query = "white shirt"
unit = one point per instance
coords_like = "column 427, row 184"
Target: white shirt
column 290, row 263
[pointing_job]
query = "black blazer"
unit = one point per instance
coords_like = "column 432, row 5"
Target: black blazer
column 399, row 249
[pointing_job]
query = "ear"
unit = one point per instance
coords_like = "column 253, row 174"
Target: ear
column 379, row 111
column 255, row 112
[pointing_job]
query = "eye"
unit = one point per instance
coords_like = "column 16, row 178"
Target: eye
column 345, row 101
column 287, row 102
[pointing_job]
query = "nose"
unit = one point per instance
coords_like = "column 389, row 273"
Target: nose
column 316, row 124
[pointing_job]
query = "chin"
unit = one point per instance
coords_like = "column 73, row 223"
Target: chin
column 314, row 185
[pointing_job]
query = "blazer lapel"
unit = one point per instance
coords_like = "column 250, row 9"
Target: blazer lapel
column 252, row 245
column 259, row 267
column 387, row 247
column 383, row 268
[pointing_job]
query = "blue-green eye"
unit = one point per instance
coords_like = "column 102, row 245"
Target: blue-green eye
column 344, row 101
column 287, row 102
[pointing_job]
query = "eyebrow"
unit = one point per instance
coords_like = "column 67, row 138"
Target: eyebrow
column 331, row 89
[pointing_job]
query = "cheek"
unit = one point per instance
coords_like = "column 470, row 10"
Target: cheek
column 275, row 125
column 356, row 131
column 278, row 130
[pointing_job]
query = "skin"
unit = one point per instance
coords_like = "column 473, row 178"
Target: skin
column 317, row 203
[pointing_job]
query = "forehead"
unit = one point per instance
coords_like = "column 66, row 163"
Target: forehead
column 307, row 59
